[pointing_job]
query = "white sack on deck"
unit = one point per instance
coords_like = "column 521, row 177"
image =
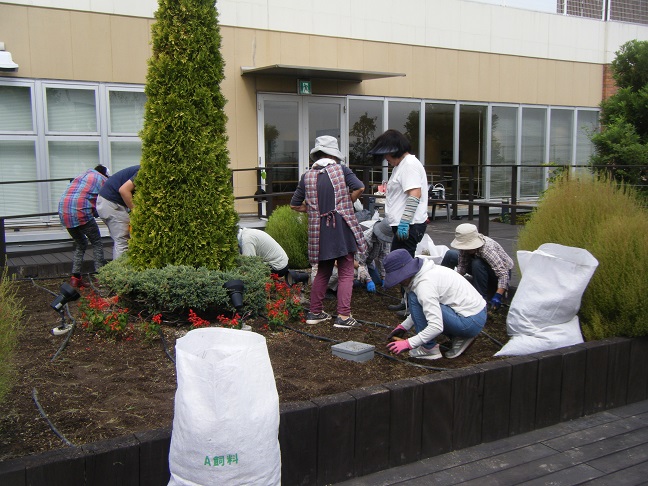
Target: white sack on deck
column 543, row 312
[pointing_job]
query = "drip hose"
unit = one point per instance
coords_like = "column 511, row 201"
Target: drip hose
column 323, row 338
column 67, row 337
column 379, row 292
column 49, row 422
column 41, row 287
column 492, row 339
column 164, row 345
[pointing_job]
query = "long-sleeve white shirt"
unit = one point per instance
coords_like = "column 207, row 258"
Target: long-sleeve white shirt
column 435, row 285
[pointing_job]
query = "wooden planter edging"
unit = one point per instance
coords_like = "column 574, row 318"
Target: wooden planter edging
column 337, row 437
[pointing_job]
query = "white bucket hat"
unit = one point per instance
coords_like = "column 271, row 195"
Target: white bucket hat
column 328, row 145
column 467, row 237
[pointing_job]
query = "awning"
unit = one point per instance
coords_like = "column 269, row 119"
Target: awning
column 350, row 75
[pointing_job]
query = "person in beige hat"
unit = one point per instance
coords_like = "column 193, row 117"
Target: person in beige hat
column 484, row 259
column 327, row 192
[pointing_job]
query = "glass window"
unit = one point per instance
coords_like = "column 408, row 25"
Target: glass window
column 503, row 149
column 405, row 117
column 533, row 151
column 71, row 110
column 560, row 136
column 124, row 154
column 16, row 109
column 587, row 123
column 126, row 111
column 365, row 125
column 69, row 159
column 472, row 130
column 439, row 140
column 18, row 163
column 281, row 147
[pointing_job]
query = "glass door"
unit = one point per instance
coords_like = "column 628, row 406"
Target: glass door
column 288, row 126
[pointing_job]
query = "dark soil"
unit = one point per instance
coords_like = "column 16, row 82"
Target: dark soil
column 98, row 389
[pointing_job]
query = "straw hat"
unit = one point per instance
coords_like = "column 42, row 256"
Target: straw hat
column 467, row 237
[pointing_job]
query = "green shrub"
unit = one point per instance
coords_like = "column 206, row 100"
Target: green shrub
column 176, row 289
column 184, row 203
column 609, row 221
column 11, row 311
column 290, row 229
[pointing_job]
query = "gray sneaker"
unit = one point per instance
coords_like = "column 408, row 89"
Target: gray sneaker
column 317, row 318
column 348, row 323
column 459, row 345
column 425, row 353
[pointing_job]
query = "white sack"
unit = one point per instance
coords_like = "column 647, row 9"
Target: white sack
column 226, row 415
column 427, row 247
column 543, row 312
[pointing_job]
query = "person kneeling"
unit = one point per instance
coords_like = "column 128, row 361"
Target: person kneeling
column 440, row 301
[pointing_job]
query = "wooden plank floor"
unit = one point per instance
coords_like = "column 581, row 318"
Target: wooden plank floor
column 606, row 448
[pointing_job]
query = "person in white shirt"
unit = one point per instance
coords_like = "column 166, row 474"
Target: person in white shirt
column 440, row 302
column 407, row 190
column 254, row 242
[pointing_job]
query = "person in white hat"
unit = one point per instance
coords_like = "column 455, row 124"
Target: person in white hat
column 484, row 259
column 327, row 192
column 439, row 300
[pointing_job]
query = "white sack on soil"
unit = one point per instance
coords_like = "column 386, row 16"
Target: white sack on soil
column 426, row 247
column 226, row 414
column 543, row 312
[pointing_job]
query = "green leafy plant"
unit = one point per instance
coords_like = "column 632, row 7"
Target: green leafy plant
column 290, row 229
column 103, row 316
column 184, row 203
column 610, row 222
column 11, row 312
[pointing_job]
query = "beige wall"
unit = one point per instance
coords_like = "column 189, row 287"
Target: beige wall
column 72, row 45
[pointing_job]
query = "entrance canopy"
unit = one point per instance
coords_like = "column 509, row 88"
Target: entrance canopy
column 335, row 74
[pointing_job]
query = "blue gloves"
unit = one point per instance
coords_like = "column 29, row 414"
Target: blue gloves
column 496, row 301
column 402, row 233
column 371, row 287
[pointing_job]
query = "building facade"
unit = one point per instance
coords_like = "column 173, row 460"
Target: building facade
column 478, row 87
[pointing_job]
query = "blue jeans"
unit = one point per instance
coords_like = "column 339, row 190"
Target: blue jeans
column 454, row 325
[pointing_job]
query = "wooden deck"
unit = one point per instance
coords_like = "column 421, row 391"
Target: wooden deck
column 607, row 448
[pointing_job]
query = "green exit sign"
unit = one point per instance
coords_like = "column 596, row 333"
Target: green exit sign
column 304, row 87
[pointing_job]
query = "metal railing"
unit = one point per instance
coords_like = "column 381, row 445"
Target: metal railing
column 461, row 189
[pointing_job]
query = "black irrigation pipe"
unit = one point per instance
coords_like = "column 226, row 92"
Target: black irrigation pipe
column 164, row 345
column 49, row 422
column 492, row 339
column 67, row 337
column 384, row 355
column 379, row 292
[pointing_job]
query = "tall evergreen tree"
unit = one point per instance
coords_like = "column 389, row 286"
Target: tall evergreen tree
column 184, row 203
column 623, row 141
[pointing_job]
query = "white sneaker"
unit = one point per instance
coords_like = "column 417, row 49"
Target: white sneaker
column 424, row 353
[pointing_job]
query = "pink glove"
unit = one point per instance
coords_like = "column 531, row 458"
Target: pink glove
column 399, row 331
column 398, row 347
